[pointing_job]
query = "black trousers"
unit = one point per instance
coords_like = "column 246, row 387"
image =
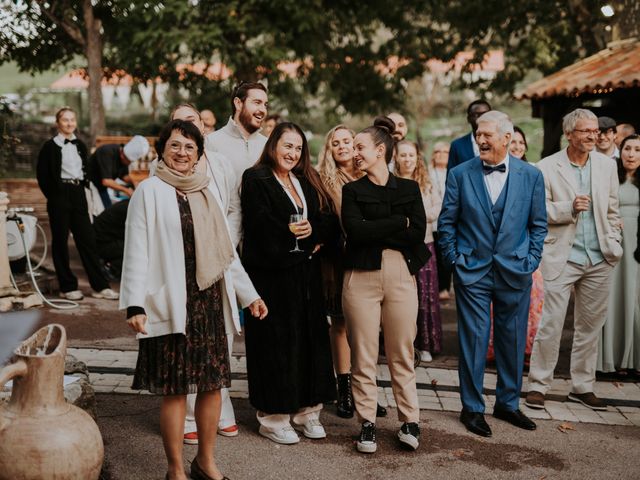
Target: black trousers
column 444, row 271
column 68, row 211
column 111, row 251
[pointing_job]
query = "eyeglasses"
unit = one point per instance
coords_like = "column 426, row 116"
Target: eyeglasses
column 189, row 148
column 587, row 132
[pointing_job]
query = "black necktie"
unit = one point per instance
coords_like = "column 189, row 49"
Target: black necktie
column 487, row 169
column 74, row 141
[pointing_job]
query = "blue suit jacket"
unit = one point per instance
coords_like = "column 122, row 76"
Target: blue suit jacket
column 460, row 151
column 469, row 237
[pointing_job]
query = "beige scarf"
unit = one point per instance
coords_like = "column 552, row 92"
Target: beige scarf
column 214, row 251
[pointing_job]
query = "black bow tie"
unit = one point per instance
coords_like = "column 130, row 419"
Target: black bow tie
column 74, row 141
column 487, row 169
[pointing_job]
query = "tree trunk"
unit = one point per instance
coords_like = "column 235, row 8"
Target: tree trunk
column 93, row 51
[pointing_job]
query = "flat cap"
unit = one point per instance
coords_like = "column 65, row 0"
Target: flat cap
column 605, row 123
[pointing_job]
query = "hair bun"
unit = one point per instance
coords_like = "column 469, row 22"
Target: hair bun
column 385, row 123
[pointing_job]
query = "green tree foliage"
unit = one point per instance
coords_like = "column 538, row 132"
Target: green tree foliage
column 538, row 34
column 350, row 56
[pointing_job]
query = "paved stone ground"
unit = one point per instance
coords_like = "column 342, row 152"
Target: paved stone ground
column 112, row 370
column 133, row 449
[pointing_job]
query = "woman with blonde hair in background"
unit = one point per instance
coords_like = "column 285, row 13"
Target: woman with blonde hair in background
column 336, row 168
column 409, row 164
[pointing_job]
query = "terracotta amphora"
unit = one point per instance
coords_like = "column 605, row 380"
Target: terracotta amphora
column 42, row 437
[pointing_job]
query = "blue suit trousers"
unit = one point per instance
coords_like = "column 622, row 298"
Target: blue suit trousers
column 510, row 316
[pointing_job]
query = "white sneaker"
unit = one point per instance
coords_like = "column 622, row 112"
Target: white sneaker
column 230, row 431
column 72, row 295
column 284, row 436
column 312, row 429
column 425, row 356
column 107, row 294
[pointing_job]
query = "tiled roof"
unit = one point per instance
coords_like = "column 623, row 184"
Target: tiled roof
column 617, row 66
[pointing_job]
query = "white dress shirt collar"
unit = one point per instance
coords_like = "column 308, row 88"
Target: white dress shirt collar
column 495, row 181
column 59, row 139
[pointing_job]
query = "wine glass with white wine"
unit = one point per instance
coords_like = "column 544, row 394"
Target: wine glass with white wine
column 294, row 219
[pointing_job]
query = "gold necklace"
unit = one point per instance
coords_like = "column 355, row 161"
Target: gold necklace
column 285, row 186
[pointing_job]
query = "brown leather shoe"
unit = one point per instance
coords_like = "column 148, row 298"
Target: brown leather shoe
column 588, row 399
column 534, row 400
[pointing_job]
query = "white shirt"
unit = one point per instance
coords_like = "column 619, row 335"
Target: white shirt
column 495, row 180
column 474, row 145
column 71, row 161
column 616, row 153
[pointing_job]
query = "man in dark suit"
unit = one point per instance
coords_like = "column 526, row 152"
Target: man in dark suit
column 492, row 228
column 465, row 147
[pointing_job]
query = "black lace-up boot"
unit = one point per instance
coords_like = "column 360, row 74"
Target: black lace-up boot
column 344, row 405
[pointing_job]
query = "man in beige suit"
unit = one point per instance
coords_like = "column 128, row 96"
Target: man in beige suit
column 581, row 249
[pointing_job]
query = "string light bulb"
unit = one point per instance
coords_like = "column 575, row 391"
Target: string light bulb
column 607, row 10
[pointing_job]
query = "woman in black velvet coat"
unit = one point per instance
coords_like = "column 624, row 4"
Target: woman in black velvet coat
column 288, row 353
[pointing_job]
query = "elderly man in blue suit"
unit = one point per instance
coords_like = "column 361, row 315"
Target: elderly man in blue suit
column 492, row 228
column 465, row 148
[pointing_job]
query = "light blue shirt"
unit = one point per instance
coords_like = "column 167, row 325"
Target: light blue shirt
column 586, row 247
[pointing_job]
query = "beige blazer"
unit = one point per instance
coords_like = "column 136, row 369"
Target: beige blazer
column 561, row 189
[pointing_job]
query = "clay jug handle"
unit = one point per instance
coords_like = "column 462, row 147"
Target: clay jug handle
column 17, row 369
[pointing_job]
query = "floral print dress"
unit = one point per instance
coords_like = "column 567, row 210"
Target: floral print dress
column 198, row 361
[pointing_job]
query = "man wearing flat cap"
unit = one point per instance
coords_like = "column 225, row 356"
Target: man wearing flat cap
column 110, row 162
column 606, row 144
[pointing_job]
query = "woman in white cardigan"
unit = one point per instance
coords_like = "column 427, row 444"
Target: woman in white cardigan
column 178, row 290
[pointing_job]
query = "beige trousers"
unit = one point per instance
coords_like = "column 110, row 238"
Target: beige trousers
column 278, row 421
column 591, row 299
column 387, row 298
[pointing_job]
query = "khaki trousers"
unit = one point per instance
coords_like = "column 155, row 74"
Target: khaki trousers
column 387, row 298
column 591, row 299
